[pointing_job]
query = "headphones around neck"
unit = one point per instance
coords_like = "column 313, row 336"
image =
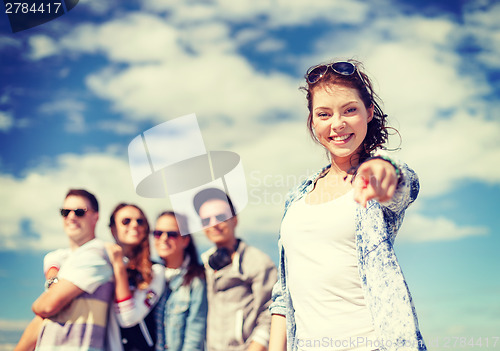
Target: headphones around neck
column 222, row 257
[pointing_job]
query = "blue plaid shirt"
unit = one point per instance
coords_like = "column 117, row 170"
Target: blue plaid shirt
column 386, row 293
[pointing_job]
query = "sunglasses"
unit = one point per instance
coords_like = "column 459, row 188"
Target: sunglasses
column 140, row 221
column 220, row 218
column 79, row 212
column 343, row 68
column 170, row 233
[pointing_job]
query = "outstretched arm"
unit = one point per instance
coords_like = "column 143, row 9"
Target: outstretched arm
column 375, row 179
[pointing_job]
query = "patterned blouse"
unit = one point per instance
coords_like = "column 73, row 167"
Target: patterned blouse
column 385, row 290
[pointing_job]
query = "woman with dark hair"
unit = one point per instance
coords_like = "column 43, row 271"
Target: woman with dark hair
column 340, row 286
column 181, row 313
column 139, row 283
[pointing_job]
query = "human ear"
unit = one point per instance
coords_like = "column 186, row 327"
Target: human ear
column 185, row 241
column 370, row 111
column 95, row 217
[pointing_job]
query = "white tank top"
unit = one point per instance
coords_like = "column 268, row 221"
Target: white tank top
column 323, row 278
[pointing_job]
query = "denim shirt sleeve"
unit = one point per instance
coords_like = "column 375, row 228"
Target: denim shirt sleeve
column 386, row 292
column 196, row 323
column 407, row 189
column 406, row 193
column 278, row 305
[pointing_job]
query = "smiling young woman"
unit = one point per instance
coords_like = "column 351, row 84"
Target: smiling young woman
column 138, row 282
column 339, row 279
column 181, row 314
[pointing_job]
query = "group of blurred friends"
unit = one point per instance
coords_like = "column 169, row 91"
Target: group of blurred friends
column 113, row 296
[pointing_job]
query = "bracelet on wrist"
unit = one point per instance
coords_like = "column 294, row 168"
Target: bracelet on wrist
column 387, row 159
column 50, row 281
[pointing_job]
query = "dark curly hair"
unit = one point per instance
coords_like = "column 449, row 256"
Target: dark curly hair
column 377, row 134
column 139, row 267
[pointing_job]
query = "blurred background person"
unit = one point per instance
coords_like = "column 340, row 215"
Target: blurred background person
column 181, row 314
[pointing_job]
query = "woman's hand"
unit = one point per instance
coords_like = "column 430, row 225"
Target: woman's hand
column 375, row 180
column 122, row 290
column 115, row 253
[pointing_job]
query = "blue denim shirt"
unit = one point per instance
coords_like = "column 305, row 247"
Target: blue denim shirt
column 385, row 290
column 181, row 316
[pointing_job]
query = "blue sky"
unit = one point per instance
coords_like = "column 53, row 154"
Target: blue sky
column 75, row 91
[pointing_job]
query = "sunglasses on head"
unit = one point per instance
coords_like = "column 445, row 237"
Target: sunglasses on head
column 220, row 218
column 343, row 68
column 170, row 233
column 79, row 212
column 140, row 221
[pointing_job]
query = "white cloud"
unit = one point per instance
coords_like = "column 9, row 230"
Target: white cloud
column 213, row 86
column 270, row 45
column 276, row 13
column 9, row 122
column 135, row 38
column 482, row 27
column 118, row 127
column 6, row 41
column 5, row 98
column 206, row 38
column 418, row 228
column 6, row 121
column 248, row 35
column 42, row 46
column 451, row 152
column 217, row 82
column 98, row 7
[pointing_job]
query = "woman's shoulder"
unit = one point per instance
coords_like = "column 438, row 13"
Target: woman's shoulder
column 157, row 268
column 302, row 187
column 197, row 282
column 158, row 281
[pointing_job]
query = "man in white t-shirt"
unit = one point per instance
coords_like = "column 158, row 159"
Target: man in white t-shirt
column 76, row 302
